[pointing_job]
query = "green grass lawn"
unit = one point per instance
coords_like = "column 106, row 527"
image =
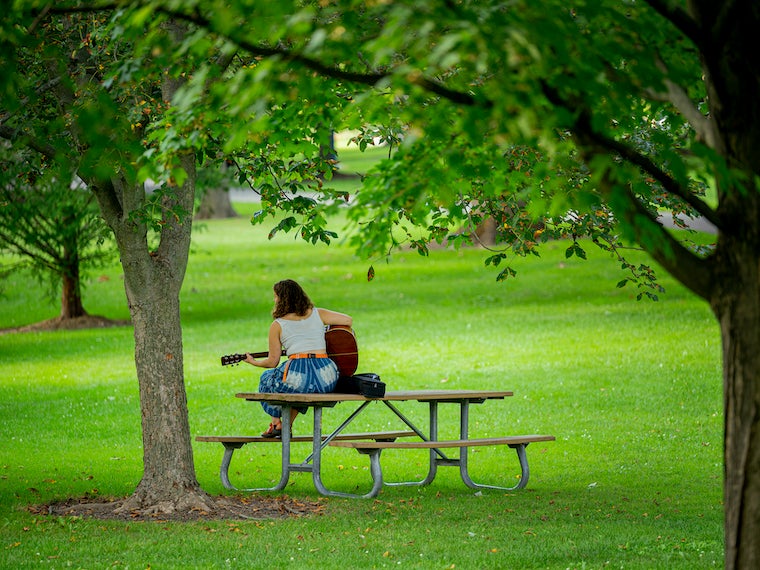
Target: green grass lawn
column 631, row 390
column 353, row 161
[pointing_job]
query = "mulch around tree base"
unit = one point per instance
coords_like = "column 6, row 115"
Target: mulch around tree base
column 77, row 323
column 225, row 508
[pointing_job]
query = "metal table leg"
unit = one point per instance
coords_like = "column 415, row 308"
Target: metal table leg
column 464, row 423
column 437, row 457
column 316, row 462
column 229, row 449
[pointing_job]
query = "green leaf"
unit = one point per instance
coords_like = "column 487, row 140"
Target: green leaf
column 179, row 175
column 505, row 274
column 495, row 260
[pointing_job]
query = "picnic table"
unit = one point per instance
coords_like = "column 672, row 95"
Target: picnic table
column 372, row 443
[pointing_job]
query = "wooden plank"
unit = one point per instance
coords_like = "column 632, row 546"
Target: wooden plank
column 477, row 442
column 381, row 435
column 446, row 395
column 395, row 395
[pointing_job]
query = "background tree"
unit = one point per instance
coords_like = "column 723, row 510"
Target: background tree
column 53, row 229
column 214, row 184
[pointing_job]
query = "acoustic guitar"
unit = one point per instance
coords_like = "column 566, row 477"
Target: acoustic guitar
column 341, row 348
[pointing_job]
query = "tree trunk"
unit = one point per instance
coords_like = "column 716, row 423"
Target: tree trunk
column 485, row 233
column 216, row 204
column 153, row 281
column 737, row 308
column 71, row 289
column 169, row 483
column 71, row 295
column 732, row 61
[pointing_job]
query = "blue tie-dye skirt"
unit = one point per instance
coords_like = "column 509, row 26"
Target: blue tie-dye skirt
column 298, row 375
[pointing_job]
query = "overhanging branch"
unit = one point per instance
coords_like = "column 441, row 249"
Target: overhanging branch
column 644, row 163
column 12, row 135
column 677, row 96
column 683, row 264
column 364, row 78
column 586, row 135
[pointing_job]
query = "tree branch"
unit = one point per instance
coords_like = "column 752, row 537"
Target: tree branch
column 371, row 79
column 644, row 163
column 681, row 263
column 677, row 96
column 587, row 136
column 12, row 135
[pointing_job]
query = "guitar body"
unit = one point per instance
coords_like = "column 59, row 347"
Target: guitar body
column 341, row 348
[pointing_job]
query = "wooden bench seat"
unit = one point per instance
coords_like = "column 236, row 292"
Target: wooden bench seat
column 233, row 442
column 477, row 442
column 380, row 436
column 437, row 457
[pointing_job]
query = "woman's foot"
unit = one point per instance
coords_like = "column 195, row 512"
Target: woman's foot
column 273, row 431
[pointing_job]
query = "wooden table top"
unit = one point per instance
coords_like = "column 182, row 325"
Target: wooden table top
column 395, row 395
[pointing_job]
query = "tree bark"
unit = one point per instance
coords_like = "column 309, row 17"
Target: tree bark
column 169, row 482
column 739, row 322
column 71, row 296
column 738, row 311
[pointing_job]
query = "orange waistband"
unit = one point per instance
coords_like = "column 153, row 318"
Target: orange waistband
column 308, row 355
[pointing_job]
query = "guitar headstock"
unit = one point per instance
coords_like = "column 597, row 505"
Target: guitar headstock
column 232, row 359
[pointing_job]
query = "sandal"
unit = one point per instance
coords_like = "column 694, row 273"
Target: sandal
column 273, row 431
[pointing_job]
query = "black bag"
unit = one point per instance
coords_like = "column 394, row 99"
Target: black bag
column 367, row 384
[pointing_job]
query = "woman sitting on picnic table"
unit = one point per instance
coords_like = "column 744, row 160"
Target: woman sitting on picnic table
column 299, row 329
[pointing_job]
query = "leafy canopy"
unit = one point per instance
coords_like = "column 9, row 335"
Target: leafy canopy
column 485, row 103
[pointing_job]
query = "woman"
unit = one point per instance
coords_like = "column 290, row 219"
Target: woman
column 299, row 329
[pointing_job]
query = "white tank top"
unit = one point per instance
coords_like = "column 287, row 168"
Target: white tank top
column 306, row 335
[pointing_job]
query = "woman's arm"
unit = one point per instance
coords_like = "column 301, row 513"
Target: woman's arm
column 275, row 349
column 334, row 318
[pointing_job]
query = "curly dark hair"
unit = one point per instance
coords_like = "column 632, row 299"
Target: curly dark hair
column 291, row 298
